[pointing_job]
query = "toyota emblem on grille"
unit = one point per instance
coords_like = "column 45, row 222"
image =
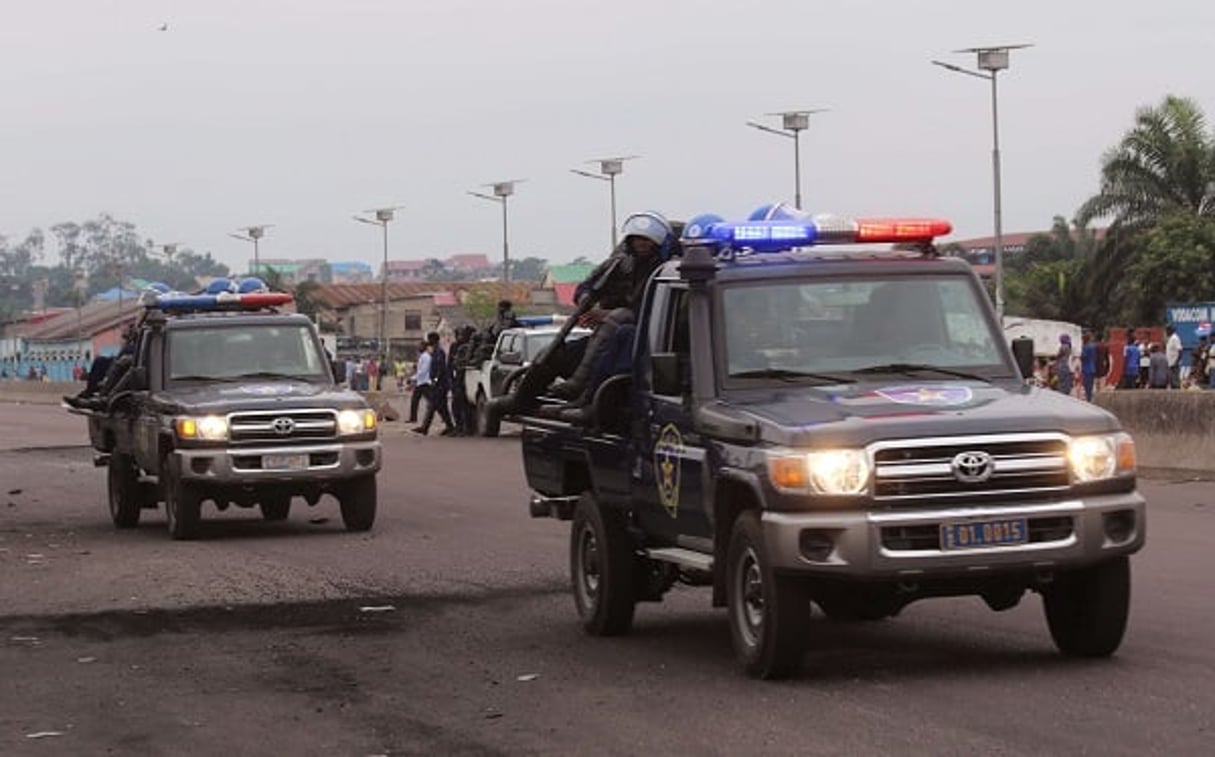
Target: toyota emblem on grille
column 283, row 426
column 972, row 467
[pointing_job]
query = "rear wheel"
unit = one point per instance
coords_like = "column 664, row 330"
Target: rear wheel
column 275, row 507
column 1086, row 609
column 125, row 494
column 183, row 507
column 601, row 569
column 358, row 498
column 769, row 613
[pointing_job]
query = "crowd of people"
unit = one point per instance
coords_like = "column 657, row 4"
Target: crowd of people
column 1144, row 364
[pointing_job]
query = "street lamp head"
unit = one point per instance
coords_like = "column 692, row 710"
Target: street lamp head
column 504, row 188
column 612, row 166
column 993, row 58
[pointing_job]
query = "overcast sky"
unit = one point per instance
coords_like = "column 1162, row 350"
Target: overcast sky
column 300, row 112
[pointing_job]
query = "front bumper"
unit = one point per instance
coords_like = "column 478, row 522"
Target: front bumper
column 875, row 544
column 324, row 462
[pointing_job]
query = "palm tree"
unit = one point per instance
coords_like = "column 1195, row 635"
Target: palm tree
column 1165, row 165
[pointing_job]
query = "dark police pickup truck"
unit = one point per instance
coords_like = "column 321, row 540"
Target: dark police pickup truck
column 237, row 407
column 803, row 425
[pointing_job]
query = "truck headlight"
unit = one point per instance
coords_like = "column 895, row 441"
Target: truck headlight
column 212, row 428
column 1094, row 458
column 352, row 422
column 833, row 472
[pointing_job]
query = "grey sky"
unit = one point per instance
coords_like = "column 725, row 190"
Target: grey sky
column 301, row 112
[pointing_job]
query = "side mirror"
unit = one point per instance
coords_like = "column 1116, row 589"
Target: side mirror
column 139, row 378
column 1023, row 353
column 511, row 358
column 667, row 376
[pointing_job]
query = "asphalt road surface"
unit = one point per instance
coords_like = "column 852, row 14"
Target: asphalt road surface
column 449, row 629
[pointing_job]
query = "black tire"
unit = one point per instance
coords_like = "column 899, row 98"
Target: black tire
column 601, row 569
column 769, row 613
column 487, row 425
column 358, row 497
column 1086, row 610
column 183, row 507
column 124, row 492
column 275, row 507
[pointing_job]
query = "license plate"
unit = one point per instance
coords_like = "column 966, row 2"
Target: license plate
column 284, row 462
column 976, row 534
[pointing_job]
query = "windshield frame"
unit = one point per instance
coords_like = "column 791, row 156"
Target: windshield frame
column 1004, row 369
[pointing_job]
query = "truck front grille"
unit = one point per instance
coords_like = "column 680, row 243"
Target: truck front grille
column 1017, row 467
column 283, row 426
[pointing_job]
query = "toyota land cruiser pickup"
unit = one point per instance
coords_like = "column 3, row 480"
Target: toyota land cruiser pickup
column 851, row 430
column 236, row 407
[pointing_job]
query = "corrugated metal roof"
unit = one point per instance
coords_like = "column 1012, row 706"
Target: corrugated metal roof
column 92, row 318
column 336, row 296
column 570, row 273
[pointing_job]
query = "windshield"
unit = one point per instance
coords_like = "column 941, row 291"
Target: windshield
column 837, row 327
column 257, row 351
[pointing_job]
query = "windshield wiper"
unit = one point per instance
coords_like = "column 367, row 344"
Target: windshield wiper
column 273, row 375
column 792, row 376
column 200, row 378
column 917, row 367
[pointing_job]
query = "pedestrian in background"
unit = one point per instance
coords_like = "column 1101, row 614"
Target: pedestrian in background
column 1130, row 361
column 438, row 386
column 1158, row 368
column 1145, row 359
column 1063, row 365
column 1172, row 353
column 417, row 393
column 1088, row 364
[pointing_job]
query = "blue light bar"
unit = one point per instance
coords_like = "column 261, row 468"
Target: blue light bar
column 762, row 236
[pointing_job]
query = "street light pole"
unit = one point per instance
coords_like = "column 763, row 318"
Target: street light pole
column 253, row 234
column 609, row 169
column 502, row 190
column 381, row 217
column 793, row 123
column 993, row 60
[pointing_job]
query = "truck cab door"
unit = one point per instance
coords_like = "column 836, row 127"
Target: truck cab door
column 669, row 474
column 146, row 421
column 508, row 342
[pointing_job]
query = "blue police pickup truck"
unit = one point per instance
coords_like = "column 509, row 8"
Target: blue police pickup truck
column 222, row 398
column 810, row 424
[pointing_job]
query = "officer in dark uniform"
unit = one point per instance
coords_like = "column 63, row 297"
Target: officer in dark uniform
column 609, row 298
column 460, row 358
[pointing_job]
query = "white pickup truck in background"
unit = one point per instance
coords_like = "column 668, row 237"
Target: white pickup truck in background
column 495, row 375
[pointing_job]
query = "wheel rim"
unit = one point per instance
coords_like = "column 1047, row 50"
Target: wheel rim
column 749, row 585
column 588, row 566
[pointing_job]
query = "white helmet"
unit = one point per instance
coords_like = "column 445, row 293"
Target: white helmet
column 649, row 224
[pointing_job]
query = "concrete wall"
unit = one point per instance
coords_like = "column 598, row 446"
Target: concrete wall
column 1172, row 429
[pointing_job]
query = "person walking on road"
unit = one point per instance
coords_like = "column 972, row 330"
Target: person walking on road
column 437, row 388
column 1088, row 364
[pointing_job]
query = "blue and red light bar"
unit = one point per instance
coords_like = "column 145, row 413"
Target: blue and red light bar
column 790, row 233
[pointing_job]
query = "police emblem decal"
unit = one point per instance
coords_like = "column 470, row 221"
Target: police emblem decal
column 668, row 457
column 937, row 395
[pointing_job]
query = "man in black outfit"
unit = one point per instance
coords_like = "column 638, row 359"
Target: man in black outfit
column 440, row 385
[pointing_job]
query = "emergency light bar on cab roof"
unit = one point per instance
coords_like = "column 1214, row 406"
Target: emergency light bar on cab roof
column 783, row 235
column 219, row 301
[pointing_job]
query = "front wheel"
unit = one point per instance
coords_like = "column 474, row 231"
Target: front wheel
column 358, row 498
column 769, row 613
column 183, row 507
column 1086, row 610
column 601, row 569
column 122, row 479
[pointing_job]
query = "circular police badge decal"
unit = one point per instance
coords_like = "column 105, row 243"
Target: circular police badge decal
column 935, row 395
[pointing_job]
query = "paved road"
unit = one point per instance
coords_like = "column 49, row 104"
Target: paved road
column 254, row 640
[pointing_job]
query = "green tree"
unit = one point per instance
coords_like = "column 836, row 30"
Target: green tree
column 528, row 269
column 305, row 298
column 1175, row 263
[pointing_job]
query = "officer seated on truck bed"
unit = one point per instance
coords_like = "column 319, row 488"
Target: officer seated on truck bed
column 608, row 299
